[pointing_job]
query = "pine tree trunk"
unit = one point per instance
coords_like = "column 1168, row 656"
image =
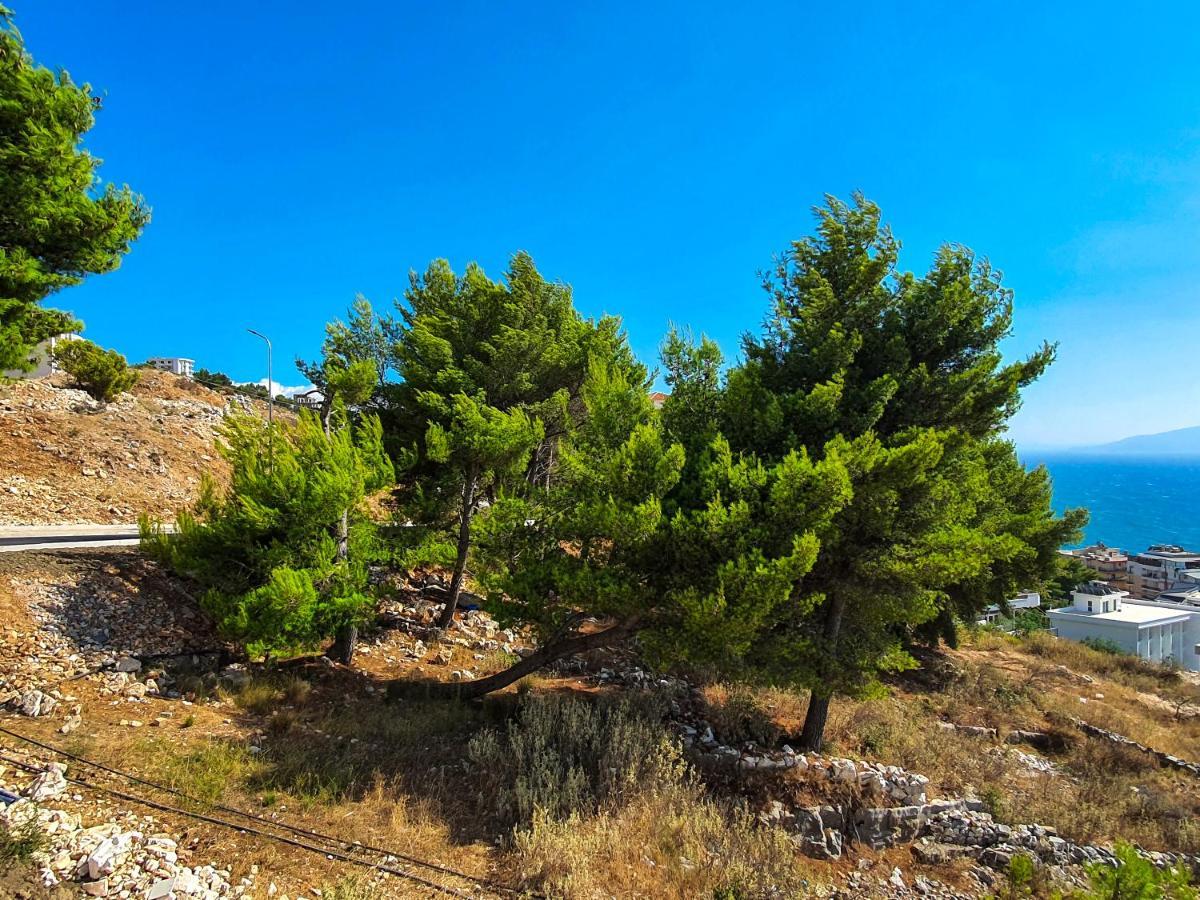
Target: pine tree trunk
column 470, row 486
column 344, row 644
column 343, row 536
column 813, row 736
column 543, row 656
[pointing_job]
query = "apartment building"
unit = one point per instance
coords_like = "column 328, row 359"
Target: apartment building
column 176, row 365
column 1109, row 564
column 1159, row 569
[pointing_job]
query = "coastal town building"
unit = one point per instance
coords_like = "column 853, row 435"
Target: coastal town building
column 313, row 400
column 1159, row 632
column 1158, row 569
column 1024, row 600
column 43, row 358
column 1109, row 564
column 176, row 365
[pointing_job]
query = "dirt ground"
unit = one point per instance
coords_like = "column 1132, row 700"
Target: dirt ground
column 65, row 458
column 320, row 745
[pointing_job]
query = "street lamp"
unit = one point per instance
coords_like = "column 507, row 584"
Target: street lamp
column 270, row 404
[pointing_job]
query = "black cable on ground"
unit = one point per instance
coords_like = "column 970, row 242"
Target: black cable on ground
column 493, row 885
column 324, row 851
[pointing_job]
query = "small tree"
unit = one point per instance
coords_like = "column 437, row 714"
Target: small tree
column 490, row 377
column 902, row 377
column 102, row 373
column 57, row 226
column 219, row 379
column 265, row 551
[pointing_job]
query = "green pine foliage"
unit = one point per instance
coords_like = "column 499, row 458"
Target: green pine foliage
column 1136, row 878
column 490, row 372
column 102, row 373
column 265, row 551
column 899, row 378
column 57, row 224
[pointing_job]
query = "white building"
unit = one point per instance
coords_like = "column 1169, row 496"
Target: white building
column 1024, row 600
column 1157, row 569
column 313, row 400
column 43, row 358
column 1160, row 632
column 176, row 365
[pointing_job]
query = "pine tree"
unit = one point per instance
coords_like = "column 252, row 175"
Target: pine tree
column 489, row 373
column 612, row 541
column 902, row 378
column 56, row 225
column 102, row 373
column 265, row 551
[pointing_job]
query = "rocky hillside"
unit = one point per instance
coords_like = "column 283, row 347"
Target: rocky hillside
column 65, row 458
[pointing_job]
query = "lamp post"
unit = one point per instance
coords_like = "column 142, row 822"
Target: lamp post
column 270, row 404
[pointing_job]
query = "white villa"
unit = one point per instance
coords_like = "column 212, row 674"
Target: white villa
column 43, row 357
column 1153, row 630
column 1024, row 600
column 176, row 365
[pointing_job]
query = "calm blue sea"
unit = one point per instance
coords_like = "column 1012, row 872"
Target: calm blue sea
column 1134, row 502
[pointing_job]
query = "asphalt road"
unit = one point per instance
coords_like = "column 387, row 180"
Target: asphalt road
column 59, row 537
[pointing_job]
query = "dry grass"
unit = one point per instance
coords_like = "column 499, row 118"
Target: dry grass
column 672, row 843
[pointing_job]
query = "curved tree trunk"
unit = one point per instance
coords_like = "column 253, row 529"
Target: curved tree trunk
column 813, row 736
column 543, row 656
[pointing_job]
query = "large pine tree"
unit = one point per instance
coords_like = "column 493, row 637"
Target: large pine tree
column 57, row 225
column 902, row 378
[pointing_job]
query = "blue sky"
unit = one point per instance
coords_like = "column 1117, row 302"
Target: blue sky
column 655, row 156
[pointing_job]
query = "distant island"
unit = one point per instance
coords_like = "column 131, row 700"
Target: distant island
column 1180, row 442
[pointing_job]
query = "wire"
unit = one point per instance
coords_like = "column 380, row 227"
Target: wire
column 445, row 870
column 325, row 851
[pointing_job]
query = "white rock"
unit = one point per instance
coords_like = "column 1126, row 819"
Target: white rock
column 49, row 784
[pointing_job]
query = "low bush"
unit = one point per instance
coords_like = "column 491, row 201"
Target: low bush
column 559, row 757
column 1103, row 645
column 1136, row 878
column 672, row 843
column 102, row 373
column 737, row 714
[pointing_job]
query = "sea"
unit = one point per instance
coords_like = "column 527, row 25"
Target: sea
column 1134, row 501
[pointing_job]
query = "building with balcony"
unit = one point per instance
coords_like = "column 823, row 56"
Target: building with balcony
column 1158, row 569
column 176, row 365
column 1109, row 564
column 1159, row 632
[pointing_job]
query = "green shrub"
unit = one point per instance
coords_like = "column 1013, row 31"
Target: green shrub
column 265, row 551
column 1136, row 878
column 1103, row 645
column 19, row 842
column 102, row 373
column 559, row 757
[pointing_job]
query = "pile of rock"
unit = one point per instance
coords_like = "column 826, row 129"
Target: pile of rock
column 995, row 843
column 100, row 628
column 1112, row 737
column 130, row 858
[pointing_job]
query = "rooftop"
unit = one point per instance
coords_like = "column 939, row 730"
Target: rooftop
column 1130, row 613
column 1098, row 589
column 1169, row 551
